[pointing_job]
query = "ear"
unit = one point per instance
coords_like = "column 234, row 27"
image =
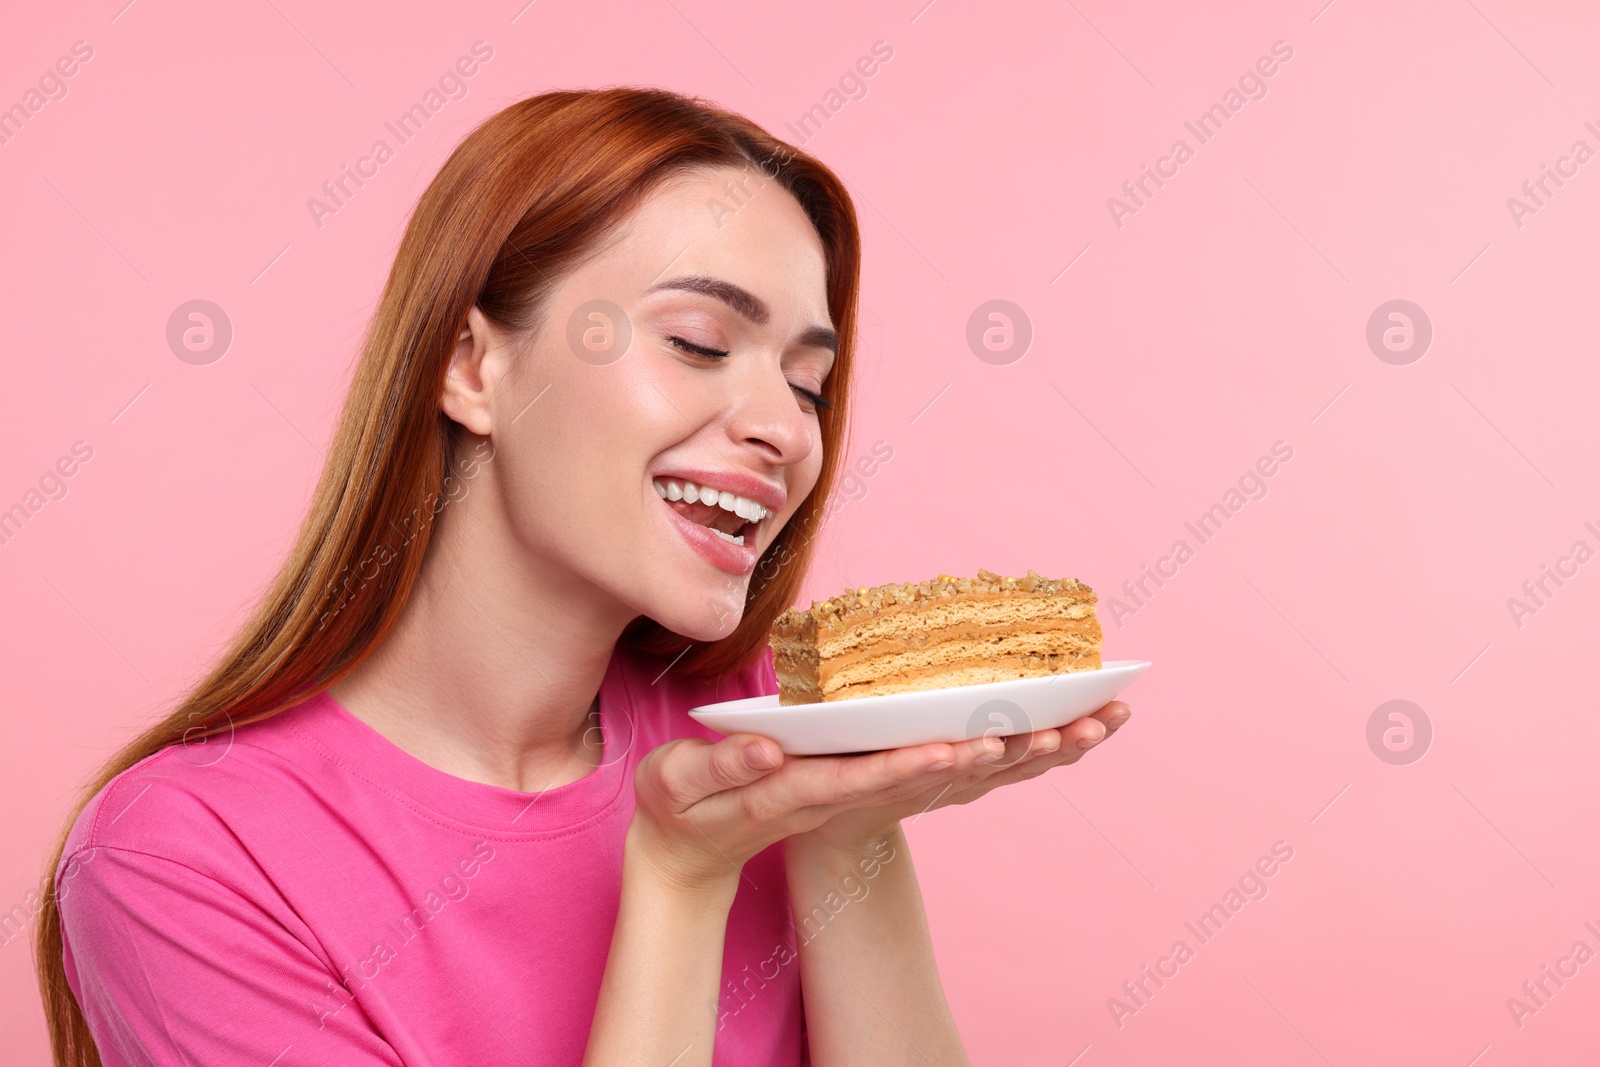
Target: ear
column 477, row 364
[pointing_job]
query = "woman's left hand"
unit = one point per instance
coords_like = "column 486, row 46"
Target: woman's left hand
column 976, row 768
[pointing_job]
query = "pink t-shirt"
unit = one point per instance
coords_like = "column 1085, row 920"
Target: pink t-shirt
column 305, row 893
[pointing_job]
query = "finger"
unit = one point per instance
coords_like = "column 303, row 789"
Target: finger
column 1114, row 714
column 691, row 768
column 1020, row 772
column 1039, row 753
column 1085, row 732
column 988, row 743
column 1044, row 743
column 1077, row 737
column 1092, row 729
column 1020, row 748
column 970, row 778
column 849, row 781
column 977, row 756
column 1046, row 753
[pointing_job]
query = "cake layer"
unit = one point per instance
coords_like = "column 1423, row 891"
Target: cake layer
column 841, row 611
column 929, row 635
column 988, row 669
column 832, row 656
column 987, row 609
column 866, row 666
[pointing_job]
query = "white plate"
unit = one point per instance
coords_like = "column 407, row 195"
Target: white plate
column 960, row 713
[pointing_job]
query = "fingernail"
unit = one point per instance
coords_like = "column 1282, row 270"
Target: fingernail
column 942, row 765
column 989, row 757
column 1120, row 717
column 756, row 756
column 1088, row 742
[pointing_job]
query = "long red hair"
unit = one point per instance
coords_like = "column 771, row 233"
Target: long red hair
column 520, row 201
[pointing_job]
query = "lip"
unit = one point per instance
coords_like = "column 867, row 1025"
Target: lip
column 724, row 555
column 770, row 495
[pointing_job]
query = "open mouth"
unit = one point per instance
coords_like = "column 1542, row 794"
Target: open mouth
column 732, row 517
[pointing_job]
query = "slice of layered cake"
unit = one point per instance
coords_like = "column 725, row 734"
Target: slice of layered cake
column 933, row 635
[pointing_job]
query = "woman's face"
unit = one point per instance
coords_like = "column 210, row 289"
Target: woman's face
column 679, row 356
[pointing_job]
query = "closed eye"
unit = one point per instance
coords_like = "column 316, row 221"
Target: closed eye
column 712, row 353
column 699, row 350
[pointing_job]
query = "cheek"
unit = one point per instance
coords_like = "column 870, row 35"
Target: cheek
column 655, row 397
column 562, row 457
column 599, row 415
column 808, row 470
column 803, row 479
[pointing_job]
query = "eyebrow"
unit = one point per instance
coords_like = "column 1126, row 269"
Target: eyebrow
column 748, row 306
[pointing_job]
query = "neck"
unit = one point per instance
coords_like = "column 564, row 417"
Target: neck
column 494, row 666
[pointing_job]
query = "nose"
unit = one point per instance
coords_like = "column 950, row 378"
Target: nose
column 765, row 414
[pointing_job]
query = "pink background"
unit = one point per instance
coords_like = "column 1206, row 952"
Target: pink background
column 1227, row 314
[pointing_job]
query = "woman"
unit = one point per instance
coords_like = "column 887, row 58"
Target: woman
column 440, row 802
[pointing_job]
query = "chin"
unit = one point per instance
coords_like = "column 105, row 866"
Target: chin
column 716, row 617
column 702, row 617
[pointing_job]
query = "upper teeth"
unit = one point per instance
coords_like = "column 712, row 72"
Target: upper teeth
column 743, row 507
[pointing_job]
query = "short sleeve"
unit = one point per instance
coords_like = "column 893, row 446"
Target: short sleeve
column 174, row 969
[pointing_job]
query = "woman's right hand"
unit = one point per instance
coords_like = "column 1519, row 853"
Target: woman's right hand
column 703, row 809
